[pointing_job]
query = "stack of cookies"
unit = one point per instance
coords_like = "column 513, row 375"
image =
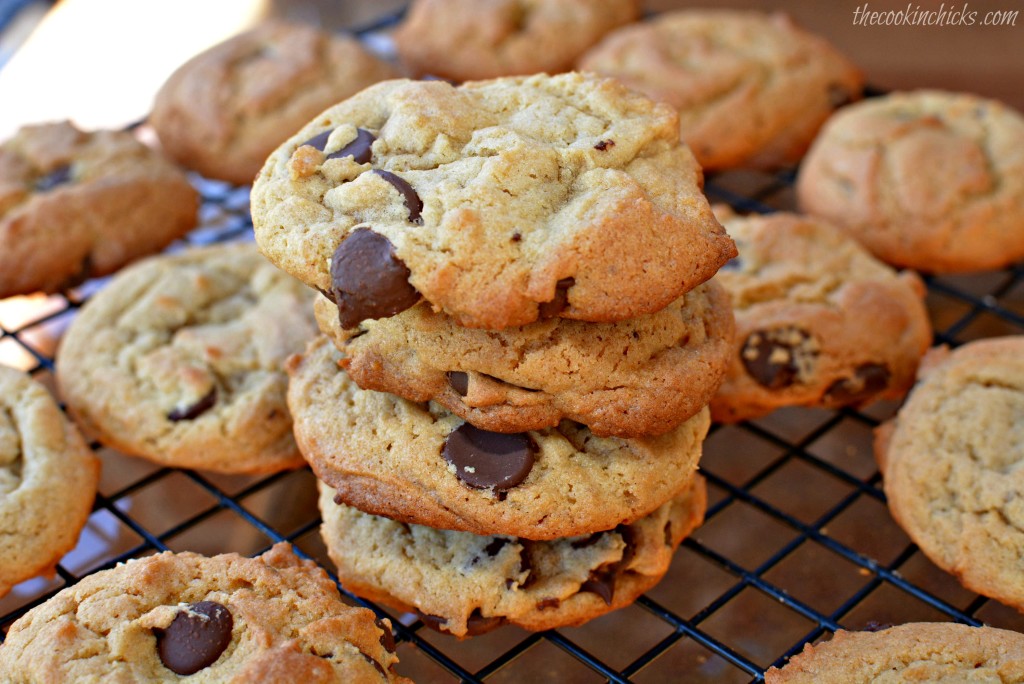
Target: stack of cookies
column 508, row 404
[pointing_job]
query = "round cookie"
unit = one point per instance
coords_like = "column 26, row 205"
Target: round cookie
column 469, row 40
column 819, row 321
column 76, row 205
column 466, row 584
column 48, row 479
column 927, row 180
column 228, row 618
column 950, row 462
column 420, row 464
column 914, row 652
column 226, row 109
column 752, row 89
column 639, row 377
column 180, row 360
column 528, row 198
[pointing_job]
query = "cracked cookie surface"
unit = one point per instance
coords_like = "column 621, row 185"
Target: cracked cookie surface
column 76, row 205
column 505, row 200
column 225, row 110
column 180, row 360
column 913, row 652
column 48, row 479
column 225, row 618
column 469, row 40
column 637, row 377
column 752, row 89
column 927, row 179
column 819, row 321
column 411, row 462
column 951, row 462
column 466, row 584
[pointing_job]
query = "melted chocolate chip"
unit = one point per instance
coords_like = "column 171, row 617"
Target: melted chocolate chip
column 59, row 176
column 868, row 380
column 195, row 410
column 559, row 302
column 459, row 382
column 604, row 145
column 380, row 668
column 195, row 638
column 775, row 358
column 601, row 583
column 368, row 280
column 360, row 149
column 495, row 547
column 486, row 460
column 387, row 639
column 412, row 200
column 548, row 603
column 477, row 624
column 433, row 621
column 319, row 141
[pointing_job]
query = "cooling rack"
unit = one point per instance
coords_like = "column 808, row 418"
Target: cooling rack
column 797, row 541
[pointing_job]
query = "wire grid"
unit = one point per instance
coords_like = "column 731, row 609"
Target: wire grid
column 797, row 542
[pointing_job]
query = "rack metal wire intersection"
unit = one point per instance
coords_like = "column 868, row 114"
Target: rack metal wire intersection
column 797, row 541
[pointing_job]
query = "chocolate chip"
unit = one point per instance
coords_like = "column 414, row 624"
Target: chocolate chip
column 459, row 382
column 629, row 537
column 477, row 624
column 380, row 668
column 59, row 176
column 486, row 460
column 604, row 145
column 432, row 621
column 548, row 603
column 360, row 149
column 368, row 280
column 516, row 237
column 559, row 302
column 195, row 638
column 387, row 639
column 777, row 358
column 601, row 583
column 525, row 564
column 412, row 200
column 195, row 410
column 319, row 141
column 868, row 380
column 495, row 546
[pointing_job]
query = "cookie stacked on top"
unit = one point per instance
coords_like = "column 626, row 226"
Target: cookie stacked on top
column 507, row 407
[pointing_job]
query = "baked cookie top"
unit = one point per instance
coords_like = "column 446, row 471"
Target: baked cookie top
column 224, row 618
column 917, row 651
column 752, row 89
column 466, row 584
column 421, row 464
column 819, row 321
column 498, row 201
column 180, row 360
column 467, row 39
column 928, row 179
column 951, row 464
column 222, row 112
column 636, row 377
column 48, row 478
column 76, row 204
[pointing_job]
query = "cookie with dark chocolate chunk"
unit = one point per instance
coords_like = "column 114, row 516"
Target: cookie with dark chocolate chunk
column 819, row 321
column 224, row 618
column 501, row 580
column 418, row 463
column 180, row 360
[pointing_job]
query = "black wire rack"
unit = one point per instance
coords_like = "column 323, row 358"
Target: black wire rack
column 797, row 541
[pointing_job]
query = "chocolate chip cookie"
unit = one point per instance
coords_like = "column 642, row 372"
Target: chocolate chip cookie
column 499, row 202
column 642, row 376
column 752, row 89
column 222, row 112
column 48, row 479
column 469, row 40
column 914, row 652
column 951, row 464
column 273, row 618
column 421, row 464
column 466, row 584
column 75, row 205
column 927, row 179
column 180, row 360
column 819, row 321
